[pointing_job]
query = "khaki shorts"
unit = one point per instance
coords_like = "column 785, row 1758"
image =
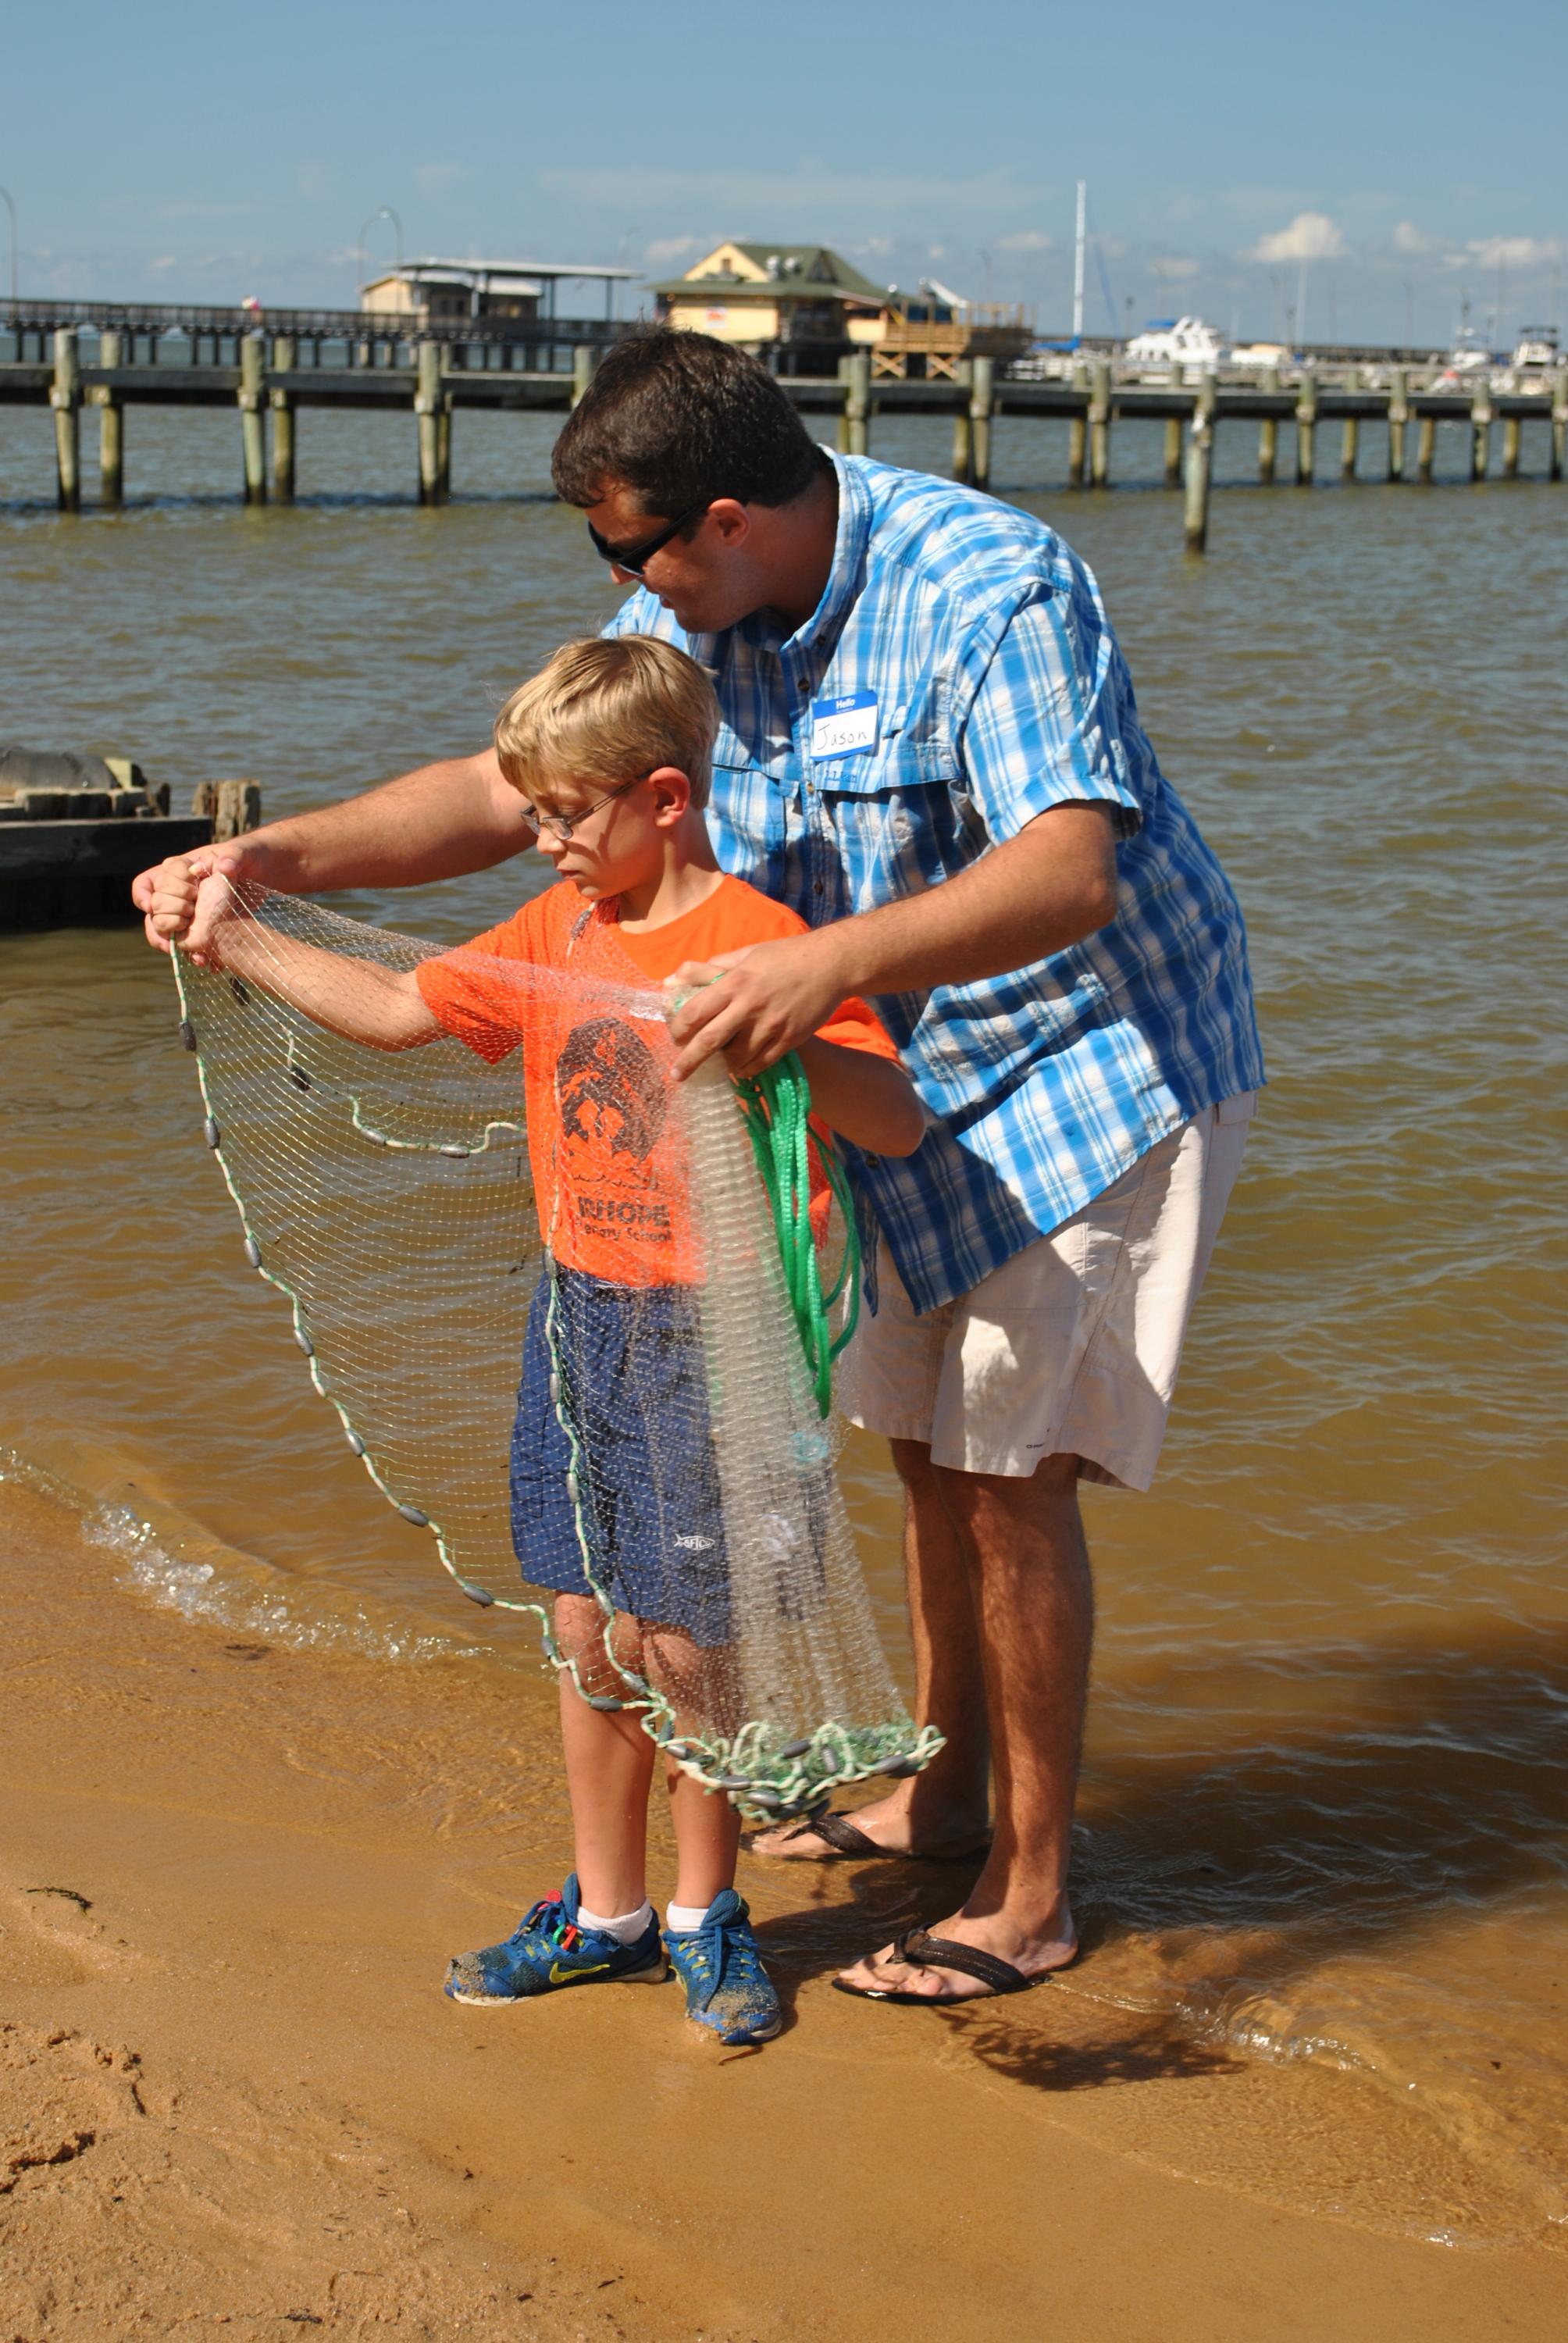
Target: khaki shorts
column 1072, row 1347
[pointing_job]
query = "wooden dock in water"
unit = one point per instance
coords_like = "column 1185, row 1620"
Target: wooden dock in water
column 268, row 388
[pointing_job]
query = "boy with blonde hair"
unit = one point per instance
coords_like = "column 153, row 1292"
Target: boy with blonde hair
column 611, row 747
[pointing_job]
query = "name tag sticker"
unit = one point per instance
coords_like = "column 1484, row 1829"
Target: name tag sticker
column 844, row 727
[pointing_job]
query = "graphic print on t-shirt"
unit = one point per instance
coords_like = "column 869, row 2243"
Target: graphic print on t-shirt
column 608, row 1089
column 612, row 1105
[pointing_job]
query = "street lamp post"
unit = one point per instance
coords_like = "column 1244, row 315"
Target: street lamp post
column 382, row 211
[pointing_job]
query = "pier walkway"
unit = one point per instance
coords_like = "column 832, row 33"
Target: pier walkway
column 269, row 383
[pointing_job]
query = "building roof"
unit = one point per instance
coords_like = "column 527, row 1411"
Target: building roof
column 797, row 272
column 464, row 272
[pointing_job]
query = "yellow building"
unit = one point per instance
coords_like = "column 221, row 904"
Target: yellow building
column 793, row 296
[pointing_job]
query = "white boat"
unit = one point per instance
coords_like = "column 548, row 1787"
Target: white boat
column 1184, row 344
column 1467, row 359
column 1535, row 363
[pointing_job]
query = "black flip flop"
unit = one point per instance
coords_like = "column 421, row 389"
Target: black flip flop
column 838, row 1832
column 919, row 1950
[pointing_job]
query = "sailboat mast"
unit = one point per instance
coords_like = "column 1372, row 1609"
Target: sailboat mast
column 1078, row 262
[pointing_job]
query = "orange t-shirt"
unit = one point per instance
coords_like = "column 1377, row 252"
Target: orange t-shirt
column 608, row 1159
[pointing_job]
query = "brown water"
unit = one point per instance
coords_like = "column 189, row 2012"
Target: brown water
column 1325, row 1812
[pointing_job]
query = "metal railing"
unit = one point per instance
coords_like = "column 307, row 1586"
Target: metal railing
column 185, row 317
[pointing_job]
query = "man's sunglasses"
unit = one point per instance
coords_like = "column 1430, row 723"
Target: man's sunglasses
column 634, row 559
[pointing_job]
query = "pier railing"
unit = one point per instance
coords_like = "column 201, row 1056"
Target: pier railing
column 268, row 385
column 361, row 337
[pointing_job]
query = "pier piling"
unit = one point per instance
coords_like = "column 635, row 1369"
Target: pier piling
column 1555, row 461
column 283, row 358
column 444, row 448
column 253, row 417
column 1511, row 446
column 1306, row 429
column 982, row 398
column 1200, row 451
column 1078, row 428
column 1172, row 451
column 1098, row 424
column 585, row 365
column 427, row 409
column 1268, row 431
column 1426, row 448
column 1398, row 416
column 963, row 445
column 1349, row 447
column 854, row 416
column 1480, row 429
column 112, row 424
column 66, row 398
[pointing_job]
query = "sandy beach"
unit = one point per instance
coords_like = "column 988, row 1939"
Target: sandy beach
column 232, row 2094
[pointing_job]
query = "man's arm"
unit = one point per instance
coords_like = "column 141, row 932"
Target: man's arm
column 436, row 823
column 1047, row 888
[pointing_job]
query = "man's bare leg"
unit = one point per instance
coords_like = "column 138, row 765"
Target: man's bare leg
column 941, row 1811
column 1024, row 1544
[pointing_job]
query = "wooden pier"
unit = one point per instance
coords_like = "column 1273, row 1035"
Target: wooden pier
column 270, row 389
column 69, row 849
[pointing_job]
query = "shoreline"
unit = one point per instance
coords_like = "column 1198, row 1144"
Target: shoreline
column 233, row 2091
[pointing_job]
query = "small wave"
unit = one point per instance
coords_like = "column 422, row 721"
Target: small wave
column 181, row 1568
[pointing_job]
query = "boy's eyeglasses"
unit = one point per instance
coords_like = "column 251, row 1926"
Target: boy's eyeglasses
column 634, row 559
column 562, row 824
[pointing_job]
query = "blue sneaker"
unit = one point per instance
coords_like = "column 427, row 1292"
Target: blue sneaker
column 728, row 1989
column 547, row 1950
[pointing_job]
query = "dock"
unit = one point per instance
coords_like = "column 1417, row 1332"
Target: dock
column 68, row 854
column 270, row 379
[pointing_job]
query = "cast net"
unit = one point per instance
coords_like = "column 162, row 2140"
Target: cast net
column 558, row 1301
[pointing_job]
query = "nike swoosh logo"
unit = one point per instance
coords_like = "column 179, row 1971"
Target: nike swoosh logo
column 569, row 1976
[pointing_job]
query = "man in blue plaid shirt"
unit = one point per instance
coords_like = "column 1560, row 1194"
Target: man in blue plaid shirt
column 930, row 749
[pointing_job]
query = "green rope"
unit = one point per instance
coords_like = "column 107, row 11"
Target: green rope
column 776, row 1107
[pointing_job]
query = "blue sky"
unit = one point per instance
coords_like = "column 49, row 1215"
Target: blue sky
column 1412, row 156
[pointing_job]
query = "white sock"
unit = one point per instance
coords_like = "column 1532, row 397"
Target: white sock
column 684, row 1919
column 625, row 1930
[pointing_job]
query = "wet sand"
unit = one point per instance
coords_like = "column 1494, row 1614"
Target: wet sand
column 231, row 2092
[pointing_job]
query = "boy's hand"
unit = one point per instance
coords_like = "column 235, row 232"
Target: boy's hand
column 167, row 896
column 184, row 900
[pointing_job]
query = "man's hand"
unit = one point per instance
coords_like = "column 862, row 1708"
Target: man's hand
column 175, row 905
column 768, row 1000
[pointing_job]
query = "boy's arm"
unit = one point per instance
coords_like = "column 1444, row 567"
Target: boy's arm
column 360, row 999
column 868, row 1100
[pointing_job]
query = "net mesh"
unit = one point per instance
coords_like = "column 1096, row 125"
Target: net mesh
column 570, row 1354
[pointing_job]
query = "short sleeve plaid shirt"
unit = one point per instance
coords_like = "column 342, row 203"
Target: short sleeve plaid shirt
column 998, row 691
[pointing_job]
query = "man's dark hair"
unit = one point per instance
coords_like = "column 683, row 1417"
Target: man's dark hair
column 682, row 418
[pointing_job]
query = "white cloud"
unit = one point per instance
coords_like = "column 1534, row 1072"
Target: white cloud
column 1172, row 268
column 1408, row 238
column 1312, row 235
column 1025, row 239
column 1506, row 252
column 434, row 178
column 669, row 248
